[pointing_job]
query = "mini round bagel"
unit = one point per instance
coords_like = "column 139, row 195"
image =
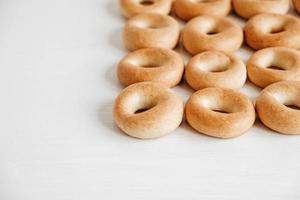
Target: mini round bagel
column 130, row 8
column 270, row 30
column 212, row 33
column 272, row 65
column 188, row 9
column 278, row 107
column 148, row 110
column 215, row 69
column 151, row 64
column 297, row 5
column 222, row 113
column 151, row 30
column 250, row 8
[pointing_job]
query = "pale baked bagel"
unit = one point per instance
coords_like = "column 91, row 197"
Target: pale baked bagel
column 188, row 9
column 272, row 65
column 222, row 113
column 278, row 107
column 211, row 33
column 270, row 30
column 148, row 110
column 215, row 69
column 130, row 8
column 250, row 8
column 151, row 64
column 297, row 5
column 151, row 30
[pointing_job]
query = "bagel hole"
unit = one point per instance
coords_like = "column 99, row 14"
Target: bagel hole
column 213, row 62
column 144, row 107
column 277, row 30
column 147, row 2
column 222, row 69
column 219, row 104
column 141, row 110
column 149, row 66
column 292, row 106
column 215, row 68
column 278, row 61
column 212, row 32
column 221, row 111
column 276, row 68
column 290, row 100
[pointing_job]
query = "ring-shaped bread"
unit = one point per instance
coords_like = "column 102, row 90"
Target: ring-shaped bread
column 222, row 113
column 250, row 8
column 130, row 8
column 278, row 107
column 270, row 30
column 272, row 65
column 215, row 69
column 188, row 9
column 151, row 30
column 151, row 64
column 212, row 33
column 148, row 110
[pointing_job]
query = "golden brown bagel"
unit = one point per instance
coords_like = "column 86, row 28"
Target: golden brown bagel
column 151, row 64
column 151, row 30
column 272, row 65
column 297, row 5
column 130, row 8
column 222, row 113
column 148, row 110
column 270, row 30
column 188, row 9
column 250, row 8
column 278, row 107
column 212, row 33
column 215, row 69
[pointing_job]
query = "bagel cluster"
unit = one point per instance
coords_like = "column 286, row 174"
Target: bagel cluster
column 148, row 108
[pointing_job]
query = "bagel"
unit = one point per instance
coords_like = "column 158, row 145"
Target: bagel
column 148, row 110
column 188, row 9
column 250, row 8
column 297, row 5
column 151, row 30
column 222, row 113
column 212, row 33
column 270, row 30
column 130, row 8
column 215, row 69
column 151, row 64
column 278, row 107
column 272, row 65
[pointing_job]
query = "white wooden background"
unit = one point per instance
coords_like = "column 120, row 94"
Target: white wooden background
column 57, row 136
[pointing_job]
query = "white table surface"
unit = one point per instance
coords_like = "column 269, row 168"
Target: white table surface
column 57, row 135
